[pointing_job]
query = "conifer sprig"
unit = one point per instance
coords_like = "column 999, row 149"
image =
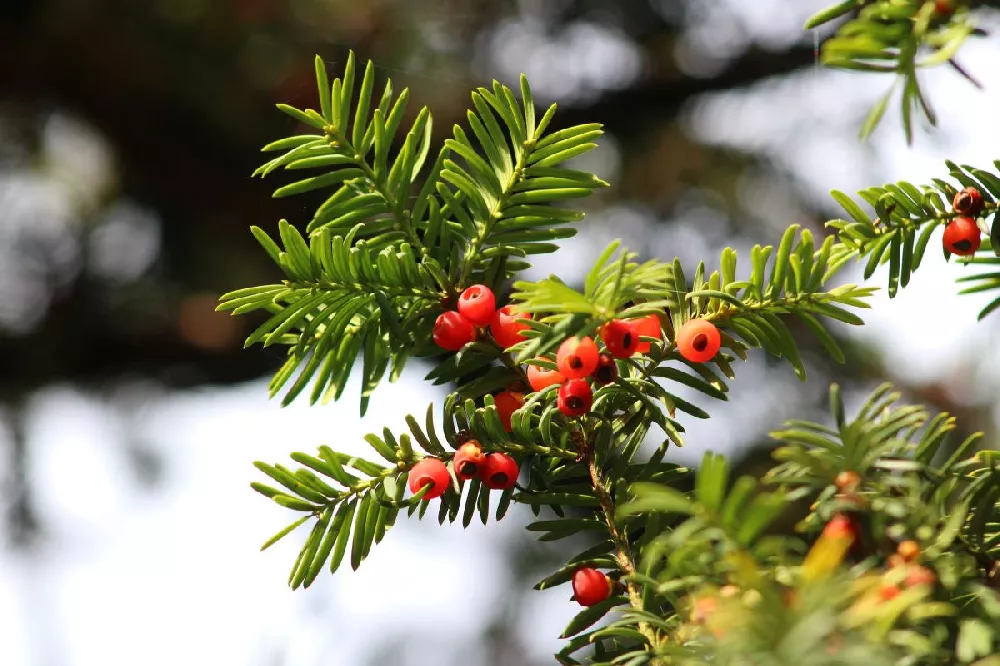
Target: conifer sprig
column 695, row 574
column 898, row 37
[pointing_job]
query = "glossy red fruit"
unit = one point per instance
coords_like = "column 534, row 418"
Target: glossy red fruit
column 620, row 337
column 468, row 460
column 505, row 328
column 944, row 7
column 499, row 471
column 575, row 397
column 429, row 471
column 648, row 326
column 477, row 304
column 607, row 369
column 541, row 378
column 590, row 586
column 507, row 403
column 452, row 331
column 698, row 340
column 968, row 202
column 577, row 357
column 961, row 236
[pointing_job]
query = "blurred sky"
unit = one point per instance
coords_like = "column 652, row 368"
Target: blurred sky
column 169, row 575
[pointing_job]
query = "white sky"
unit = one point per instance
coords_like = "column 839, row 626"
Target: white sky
column 174, row 576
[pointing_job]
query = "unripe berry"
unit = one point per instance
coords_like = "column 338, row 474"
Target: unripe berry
column 452, row 331
column 648, row 326
column 575, row 397
column 577, row 357
column 505, row 328
column 919, row 575
column 477, row 304
column 961, row 236
column 499, row 471
column 968, row 202
column 607, row 369
column 468, row 460
column 620, row 337
column 429, row 471
column 590, row 586
column 847, row 481
column 908, row 550
column 507, row 403
column 540, row 378
column 703, row 608
column 698, row 340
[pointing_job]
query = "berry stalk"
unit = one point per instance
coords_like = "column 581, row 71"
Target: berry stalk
column 623, row 551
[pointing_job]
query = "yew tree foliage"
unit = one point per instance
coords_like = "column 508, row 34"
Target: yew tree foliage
column 698, row 576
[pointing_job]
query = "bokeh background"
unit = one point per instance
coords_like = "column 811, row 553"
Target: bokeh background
column 130, row 414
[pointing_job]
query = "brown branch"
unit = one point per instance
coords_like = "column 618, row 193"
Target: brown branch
column 623, row 551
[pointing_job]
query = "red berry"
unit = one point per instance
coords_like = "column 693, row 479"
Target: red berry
column 477, row 304
column 840, row 527
column 590, row 586
column 430, row 471
column 698, row 340
column 507, row 403
column 620, row 337
column 887, row 592
column 452, row 331
column 505, row 328
column 648, row 326
column 607, row 369
column 468, row 460
column 577, row 357
column 961, row 236
column 540, row 377
column 919, row 575
column 968, row 202
column 499, row 471
column 943, row 7
column 575, row 397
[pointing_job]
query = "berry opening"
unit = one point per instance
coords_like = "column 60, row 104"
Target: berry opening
column 700, row 342
column 574, row 402
column 467, row 468
column 499, row 478
column 962, row 245
column 575, row 362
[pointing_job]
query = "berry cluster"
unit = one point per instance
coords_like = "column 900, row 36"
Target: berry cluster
column 904, row 572
column 579, row 359
column 495, row 470
column 476, row 310
column 961, row 234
